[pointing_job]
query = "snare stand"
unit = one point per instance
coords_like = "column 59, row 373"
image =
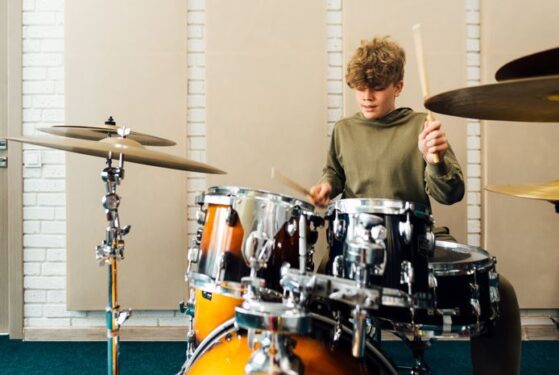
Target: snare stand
column 109, row 253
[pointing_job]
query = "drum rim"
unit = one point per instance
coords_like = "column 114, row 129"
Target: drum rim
column 229, row 326
column 379, row 205
column 438, row 331
column 461, row 268
column 229, row 193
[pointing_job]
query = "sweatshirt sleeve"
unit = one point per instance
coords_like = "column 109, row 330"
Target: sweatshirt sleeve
column 444, row 181
column 333, row 172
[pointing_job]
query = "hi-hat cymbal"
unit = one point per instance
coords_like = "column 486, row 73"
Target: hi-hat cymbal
column 96, row 133
column 548, row 191
column 530, row 99
column 134, row 152
column 544, row 63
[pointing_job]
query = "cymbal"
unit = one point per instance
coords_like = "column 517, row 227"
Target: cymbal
column 96, row 133
column 548, row 191
column 544, row 63
column 134, row 152
column 530, row 99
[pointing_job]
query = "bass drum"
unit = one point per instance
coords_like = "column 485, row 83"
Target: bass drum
column 226, row 351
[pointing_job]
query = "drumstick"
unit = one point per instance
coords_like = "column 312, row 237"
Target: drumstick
column 290, row 183
column 423, row 74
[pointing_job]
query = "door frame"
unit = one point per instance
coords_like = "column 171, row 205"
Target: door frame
column 11, row 97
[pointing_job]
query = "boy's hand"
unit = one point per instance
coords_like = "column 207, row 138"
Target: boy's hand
column 320, row 194
column 432, row 141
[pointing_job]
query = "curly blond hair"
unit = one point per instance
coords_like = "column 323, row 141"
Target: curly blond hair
column 376, row 64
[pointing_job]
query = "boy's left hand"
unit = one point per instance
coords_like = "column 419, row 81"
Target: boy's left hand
column 432, row 141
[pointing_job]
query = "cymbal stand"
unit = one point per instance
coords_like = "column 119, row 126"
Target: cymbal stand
column 109, row 253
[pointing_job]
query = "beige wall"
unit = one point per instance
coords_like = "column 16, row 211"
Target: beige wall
column 266, row 91
column 444, row 42
column 522, row 233
column 131, row 65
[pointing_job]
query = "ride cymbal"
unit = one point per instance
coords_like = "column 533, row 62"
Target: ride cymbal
column 548, row 191
column 96, row 133
column 530, row 99
column 544, row 63
column 133, row 151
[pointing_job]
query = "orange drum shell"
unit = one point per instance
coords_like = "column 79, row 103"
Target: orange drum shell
column 211, row 312
column 231, row 357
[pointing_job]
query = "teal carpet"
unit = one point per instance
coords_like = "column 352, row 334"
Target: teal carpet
column 17, row 357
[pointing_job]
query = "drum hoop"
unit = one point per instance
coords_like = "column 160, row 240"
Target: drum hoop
column 461, row 268
column 379, row 205
column 207, row 284
column 436, row 331
column 229, row 327
column 216, row 335
column 227, row 195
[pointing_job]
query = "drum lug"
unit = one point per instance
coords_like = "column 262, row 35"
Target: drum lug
column 407, row 274
column 291, row 228
column 201, row 215
column 193, row 253
column 406, row 228
column 338, row 228
column 232, row 217
column 433, row 284
column 199, row 233
column 257, row 250
column 199, row 199
column 338, row 266
column 427, row 243
column 494, row 296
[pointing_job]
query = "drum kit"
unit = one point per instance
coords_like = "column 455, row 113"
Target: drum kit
column 258, row 306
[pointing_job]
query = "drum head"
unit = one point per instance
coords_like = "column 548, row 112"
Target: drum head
column 453, row 258
column 228, row 194
column 378, row 206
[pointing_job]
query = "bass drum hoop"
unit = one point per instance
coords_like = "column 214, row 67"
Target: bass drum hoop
column 229, row 327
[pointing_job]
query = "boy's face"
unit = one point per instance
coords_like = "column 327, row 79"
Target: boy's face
column 376, row 103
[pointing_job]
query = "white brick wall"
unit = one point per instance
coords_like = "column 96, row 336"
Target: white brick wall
column 196, row 102
column 44, row 223
column 44, row 170
column 335, row 59
column 473, row 167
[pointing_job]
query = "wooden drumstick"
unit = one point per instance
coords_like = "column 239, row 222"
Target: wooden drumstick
column 423, row 74
column 290, row 183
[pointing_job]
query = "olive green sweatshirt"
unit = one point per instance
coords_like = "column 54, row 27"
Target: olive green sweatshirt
column 380, row 159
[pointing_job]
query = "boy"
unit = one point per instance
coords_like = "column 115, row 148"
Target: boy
column 394, row 153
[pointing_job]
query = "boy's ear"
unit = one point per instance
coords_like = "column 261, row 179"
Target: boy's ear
column 398, row 86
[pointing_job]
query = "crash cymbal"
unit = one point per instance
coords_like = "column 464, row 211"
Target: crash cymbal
column 134, row 152
column 96, row 133
column 530, row 99
column 544, row 63
column 548, row 191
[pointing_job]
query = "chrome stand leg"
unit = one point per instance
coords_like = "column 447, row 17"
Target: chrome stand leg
column 109, row 253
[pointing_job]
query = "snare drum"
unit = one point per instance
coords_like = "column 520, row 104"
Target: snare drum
column 389, row 239
column 227, row 351
column 464, row 285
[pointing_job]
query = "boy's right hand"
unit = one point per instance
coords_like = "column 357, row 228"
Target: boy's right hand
column 320, row 194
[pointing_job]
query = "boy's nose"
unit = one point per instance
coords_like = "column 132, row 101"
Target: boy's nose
column 369, row 95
